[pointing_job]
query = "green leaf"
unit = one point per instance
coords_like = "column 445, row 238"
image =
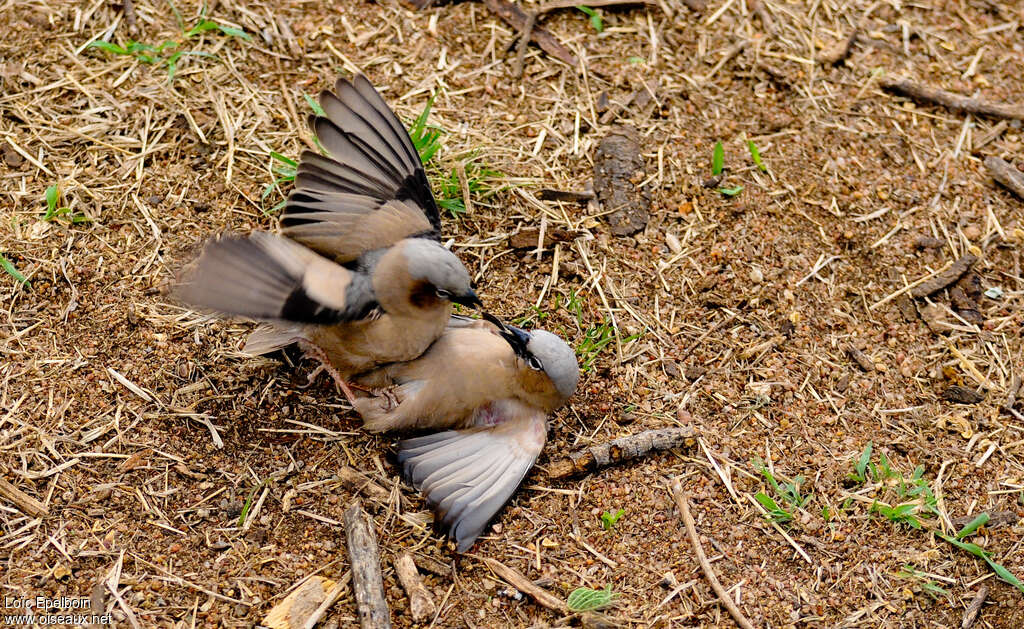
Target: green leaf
column 108, row 47
column 862, row 463
column 595, row 18
column 586, row 599
column 234, row 32
column 201, row 27
column 717, row 159
column 731, row 192
column 13, row 271
column 1005, row 574
column 766, row 501
column 608, row 518
column 756, row 156
column 52, row 198
column 315, row 106
column 973, row 525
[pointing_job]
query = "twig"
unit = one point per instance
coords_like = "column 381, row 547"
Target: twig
column 329, row 600
column 908, row 88
column 571, row 196
column 696, row 5
column 616, row 451
column 683, row 503
column 516, row 18
column 366, row 577
column 1004, row 172
column 971, row 613
column 519, row 581
column 27, row 504
column 861, row 358
column 421, row 604
column 357, row 482
column 947, row 277
column 554, row 5
column 524, row 40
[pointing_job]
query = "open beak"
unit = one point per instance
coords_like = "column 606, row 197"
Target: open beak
column 470, row 300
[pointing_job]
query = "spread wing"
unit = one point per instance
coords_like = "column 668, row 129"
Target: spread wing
column 370, row 190
column 467, row 476
column 268, row 277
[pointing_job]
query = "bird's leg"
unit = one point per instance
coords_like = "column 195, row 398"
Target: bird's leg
column 388, row 393
column 315, row 352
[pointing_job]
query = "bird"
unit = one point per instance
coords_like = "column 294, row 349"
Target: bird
column 358, row 276
column 491, row 386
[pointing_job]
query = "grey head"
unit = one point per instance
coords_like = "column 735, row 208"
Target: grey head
column 543, row 351
column 441, row 269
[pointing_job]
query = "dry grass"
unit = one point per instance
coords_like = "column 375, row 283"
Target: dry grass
column 147, row 436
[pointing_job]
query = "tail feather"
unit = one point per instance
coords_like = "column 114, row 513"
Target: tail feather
column 267, row 338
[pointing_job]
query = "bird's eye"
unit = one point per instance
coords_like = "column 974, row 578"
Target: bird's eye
column 534, row 363
column 443, row 294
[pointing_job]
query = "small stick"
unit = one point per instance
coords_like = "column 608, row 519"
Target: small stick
column 1004, row 172
column 971, row 613
column 421, row 604
column 696, row 5
column 554, row 5
column 1011, row 395
column 861, row 358
column 947, row 277
column 571, row 196
column 332, row 597
column 618, row 450
column 519, row 581
column 357, row 482
column 683, row 502
column 516, row 18
column 524, row 41
column 366, row 578
column 25, row 503
column 957, row 102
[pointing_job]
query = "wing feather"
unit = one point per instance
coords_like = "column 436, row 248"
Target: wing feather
column 468, row 475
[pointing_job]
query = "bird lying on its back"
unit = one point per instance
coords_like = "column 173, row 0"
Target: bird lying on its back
column 495, row 384
column 361, row 278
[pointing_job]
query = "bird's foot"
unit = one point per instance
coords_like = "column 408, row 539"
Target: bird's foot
column 316, row 353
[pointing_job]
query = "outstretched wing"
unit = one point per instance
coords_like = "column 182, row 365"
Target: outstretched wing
column 467, row 476
column 263, row 276
column 370, row 190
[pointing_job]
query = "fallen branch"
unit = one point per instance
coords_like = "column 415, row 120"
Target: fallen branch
column 971, row 613
column 421, row 604
column 516, row 18
column 519, row 581
column 950, row 100
column 1004, row 172
column 947, row 277
column 25, row 503
column 683, row 503
column 366, row 577
column 619, row 450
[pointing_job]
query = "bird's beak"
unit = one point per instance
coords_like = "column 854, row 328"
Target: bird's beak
column 470, row 300
column 516, row 337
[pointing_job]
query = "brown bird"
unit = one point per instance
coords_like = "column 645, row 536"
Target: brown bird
column 495, row 387
column 366, row 280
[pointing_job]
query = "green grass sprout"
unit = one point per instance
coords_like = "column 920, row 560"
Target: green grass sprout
column 608, row 518
column 315, row 106
column 426, row 138
column 973, row 525
column 860, row 469
column 717, row 159
column 595, row 18
column 55, row 210
column 285, row 169
column 756, row 156
column 13, row 271
column 731, row 192
column 159, row 54
column 586, row 599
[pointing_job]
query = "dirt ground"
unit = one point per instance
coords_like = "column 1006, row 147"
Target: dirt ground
column 199, row 484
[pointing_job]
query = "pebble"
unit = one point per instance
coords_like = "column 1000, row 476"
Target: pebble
column 673, row 243
column 972, row 232
column 756, row 275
